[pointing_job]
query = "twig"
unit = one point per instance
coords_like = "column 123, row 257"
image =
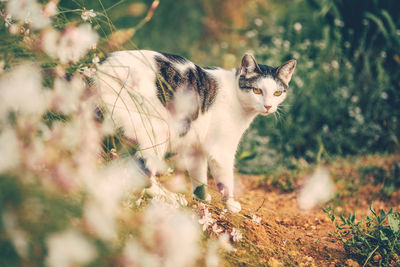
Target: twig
column 370, row 255
column 260, row 205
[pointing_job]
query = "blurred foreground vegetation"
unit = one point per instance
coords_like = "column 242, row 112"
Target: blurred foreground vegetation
column 345, row 100
column 345, row 94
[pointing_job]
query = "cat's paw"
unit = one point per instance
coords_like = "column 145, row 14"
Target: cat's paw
column 201, row 193
column 207, row 198
column 233, row 205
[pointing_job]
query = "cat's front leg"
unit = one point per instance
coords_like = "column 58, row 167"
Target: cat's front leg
column 196, row 165
column 221, row 167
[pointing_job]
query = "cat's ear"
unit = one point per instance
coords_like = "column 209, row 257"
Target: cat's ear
column 249, row 66
column 285, row 71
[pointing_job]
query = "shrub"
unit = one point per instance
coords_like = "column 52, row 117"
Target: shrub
column 375, row 239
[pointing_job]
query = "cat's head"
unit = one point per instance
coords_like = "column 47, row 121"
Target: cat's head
column 262, row 88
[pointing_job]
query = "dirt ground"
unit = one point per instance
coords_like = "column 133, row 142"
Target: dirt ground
column 286, row 235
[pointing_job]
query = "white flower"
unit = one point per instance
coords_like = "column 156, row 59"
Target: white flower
column 9, row 152
column 215, row 229
column 255, row 219
column 223, row 242
column 317, row 190
column 339, row 22
column 236, row 235
column 212, row 258
column 107, row 190
column 69, row 248
column 354, row 99
column 21, row 91
column 71, row 45
column 335, row 64
column 136, row 255
column 8, row 20
column 17, row 236
column 258, row 22
column 88, row 14
column 100, row 220
column 206, row 220
column 297, row 26
column 28, row 11
column 67, row 94
column 50, row 9
column 173, row 234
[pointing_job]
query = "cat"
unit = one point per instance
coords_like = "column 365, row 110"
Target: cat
column 167, row 103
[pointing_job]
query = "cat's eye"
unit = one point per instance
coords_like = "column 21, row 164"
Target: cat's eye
column 257, row 91
column 277, row 93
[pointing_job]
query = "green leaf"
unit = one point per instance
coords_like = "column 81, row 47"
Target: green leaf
column 383, row 236
column 371, row 208
column 246, row 155
column 394, row 223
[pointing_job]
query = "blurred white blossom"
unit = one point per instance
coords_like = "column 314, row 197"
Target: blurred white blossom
column 70, row 45
column 172, row 233
column 50, row 9
column 9, row 150
column 318, row 189
column 339, row 22
column 69, row 248
column 28, row 11
column 21, row 92
column 8, row 20
column 335, row 64
column 223, row 242
column 297, row 26
column 255, row 219
column 107, row 190
column 136, row 255
column 17, row 236
column 258, row 22
column 67, row 94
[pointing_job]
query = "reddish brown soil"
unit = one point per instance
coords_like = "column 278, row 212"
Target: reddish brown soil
column 288, row 236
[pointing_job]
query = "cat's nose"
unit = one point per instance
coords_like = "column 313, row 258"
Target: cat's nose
column 268, row 107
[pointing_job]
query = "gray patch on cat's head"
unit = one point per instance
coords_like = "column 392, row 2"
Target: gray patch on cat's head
column 250, row 72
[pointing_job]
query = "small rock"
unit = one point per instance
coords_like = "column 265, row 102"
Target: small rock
column 352, row 263
column 309, row 234
column 274, row 262
column 377, row 257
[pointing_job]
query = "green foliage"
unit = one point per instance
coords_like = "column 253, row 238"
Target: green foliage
column 374, row 239
column 387, row 178
column 345, row 92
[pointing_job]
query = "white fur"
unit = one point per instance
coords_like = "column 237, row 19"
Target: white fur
column 127, row 85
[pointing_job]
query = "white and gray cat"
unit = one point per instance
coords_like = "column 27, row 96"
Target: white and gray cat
column 168, row 104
